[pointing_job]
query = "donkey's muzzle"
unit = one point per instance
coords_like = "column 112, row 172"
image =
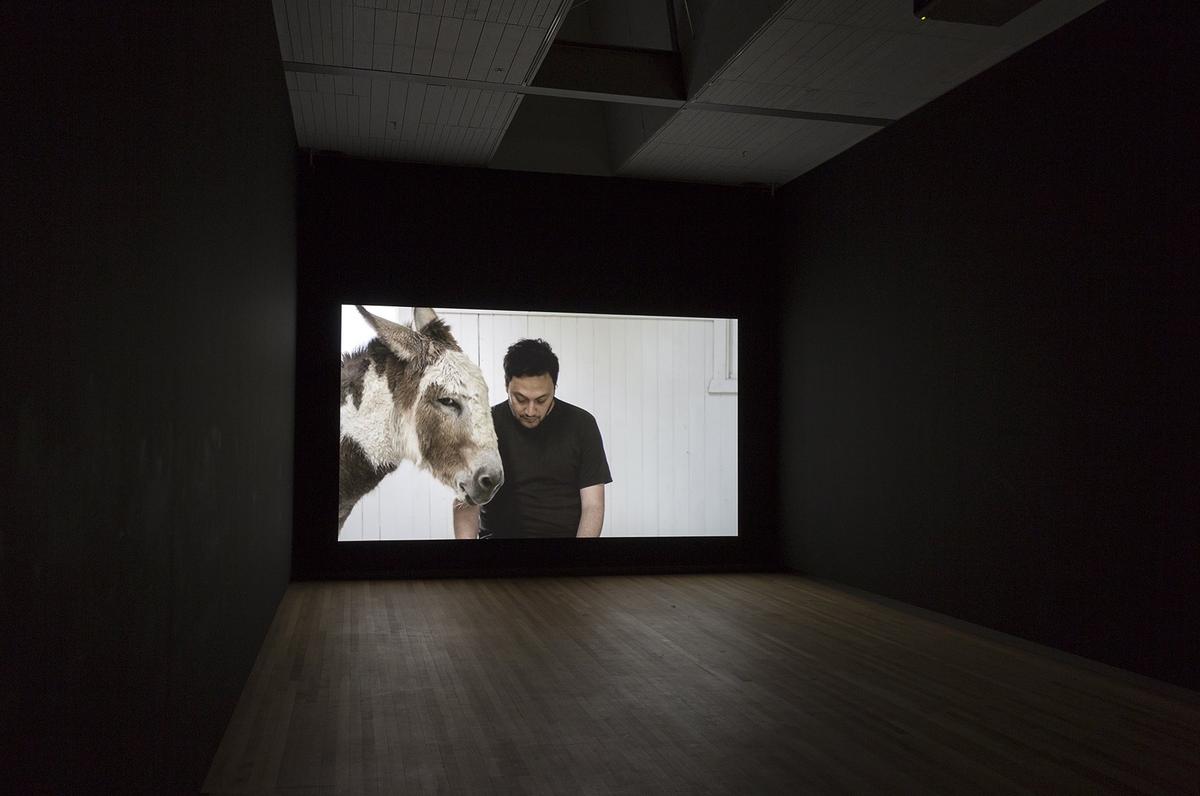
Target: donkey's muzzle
column 484, row 483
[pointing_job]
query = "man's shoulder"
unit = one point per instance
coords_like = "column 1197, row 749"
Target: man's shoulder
column 575, row 413
column 498, row 413
column 503, row 420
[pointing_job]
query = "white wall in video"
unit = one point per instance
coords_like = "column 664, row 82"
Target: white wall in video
column 444, row 429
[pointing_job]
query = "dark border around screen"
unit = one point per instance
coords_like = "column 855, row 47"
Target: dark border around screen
column 377, row 233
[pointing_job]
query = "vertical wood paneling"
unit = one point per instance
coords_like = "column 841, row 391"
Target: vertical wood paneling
column 602, row 389
column 663, row 398
column 536, row 329
column 352, row 528
column 564, row 332
column 370, row 504
column 733, row 349
column 696, row 375
column 646, row 390
column 423, row 484
column 679, row 415
column 712, row 449
column 400, row 489
column 440, row 504
column 618, row 502
column 394, row 494
column 727, row 418
column 414, row 511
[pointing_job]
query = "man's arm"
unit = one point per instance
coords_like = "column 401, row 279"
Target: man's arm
column 591, row 516
column 466, row 521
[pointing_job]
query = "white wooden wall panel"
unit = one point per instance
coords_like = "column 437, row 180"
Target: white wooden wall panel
column 671, row 445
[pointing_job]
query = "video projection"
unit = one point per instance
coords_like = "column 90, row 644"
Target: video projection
column 495, row 424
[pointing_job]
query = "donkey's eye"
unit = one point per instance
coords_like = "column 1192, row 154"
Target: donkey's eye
column 451, row 403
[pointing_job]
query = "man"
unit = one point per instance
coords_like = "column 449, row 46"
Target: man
column 554, row 463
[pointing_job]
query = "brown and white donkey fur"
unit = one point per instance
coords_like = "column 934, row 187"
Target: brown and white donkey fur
column 412, row 394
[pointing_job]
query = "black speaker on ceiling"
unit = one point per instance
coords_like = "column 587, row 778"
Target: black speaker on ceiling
column 971, row 12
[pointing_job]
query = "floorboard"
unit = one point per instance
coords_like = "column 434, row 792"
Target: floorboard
column 689, row 684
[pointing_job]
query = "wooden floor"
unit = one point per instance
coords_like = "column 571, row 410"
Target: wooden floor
column 743, row 684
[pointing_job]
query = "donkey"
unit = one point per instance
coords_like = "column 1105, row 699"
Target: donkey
column 412, row 394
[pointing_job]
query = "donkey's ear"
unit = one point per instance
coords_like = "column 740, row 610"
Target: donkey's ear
column 422, row 317
column 402, row 340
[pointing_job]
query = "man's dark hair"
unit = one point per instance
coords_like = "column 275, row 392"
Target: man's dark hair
column 530, row 358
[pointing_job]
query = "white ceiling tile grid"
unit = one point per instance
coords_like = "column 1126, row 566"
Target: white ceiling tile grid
column 864, row 58
column 842, row 58
column 402, row 118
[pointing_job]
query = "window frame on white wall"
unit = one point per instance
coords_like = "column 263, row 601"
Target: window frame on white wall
column 725, row 357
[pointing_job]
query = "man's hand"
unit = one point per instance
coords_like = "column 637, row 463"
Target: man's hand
column 466, row 521
column 591, row 516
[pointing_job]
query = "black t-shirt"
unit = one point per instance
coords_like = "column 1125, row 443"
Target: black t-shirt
column 544, row 469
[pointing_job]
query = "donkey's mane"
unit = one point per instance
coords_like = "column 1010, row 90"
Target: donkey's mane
column 350, row 356
column 438, row 330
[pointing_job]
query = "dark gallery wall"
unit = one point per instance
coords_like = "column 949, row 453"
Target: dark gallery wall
column 991, row 350
column 149, row 339
column 376, row 233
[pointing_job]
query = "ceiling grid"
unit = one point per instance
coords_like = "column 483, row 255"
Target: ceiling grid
column 411, row 80
column 867, row 59
column 378, row 116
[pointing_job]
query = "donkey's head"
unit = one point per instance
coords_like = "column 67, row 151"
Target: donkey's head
column 441, row 405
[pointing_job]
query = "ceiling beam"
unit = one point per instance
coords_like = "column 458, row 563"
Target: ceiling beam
column 483, row 85
column 616, row 71
column 640, row 90
column 787, row 113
